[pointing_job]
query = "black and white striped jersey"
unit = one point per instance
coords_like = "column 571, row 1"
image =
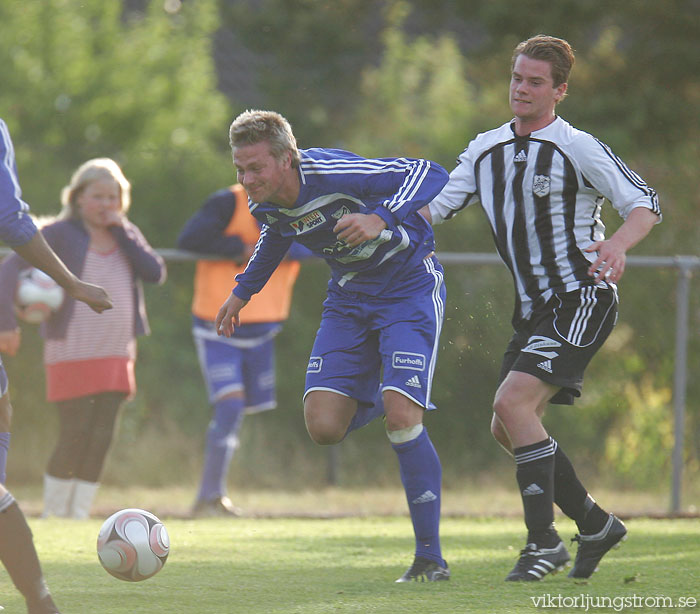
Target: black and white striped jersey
column 543, row 194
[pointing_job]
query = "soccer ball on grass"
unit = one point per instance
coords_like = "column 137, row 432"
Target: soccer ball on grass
column 133, row 545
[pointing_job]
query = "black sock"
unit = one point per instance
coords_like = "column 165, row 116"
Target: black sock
column 572, row 497
column 18, row 555
column 535, row 475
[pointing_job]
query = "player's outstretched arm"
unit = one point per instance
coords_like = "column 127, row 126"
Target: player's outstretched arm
column 227, row 318
column 38, row 253
column 612, row 253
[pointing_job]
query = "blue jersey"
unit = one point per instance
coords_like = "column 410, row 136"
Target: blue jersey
column 334, row 183
column 16, row 226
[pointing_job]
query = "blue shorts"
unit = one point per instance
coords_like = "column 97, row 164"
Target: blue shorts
column 4, row 382
column 237, row 364
column 392, row 338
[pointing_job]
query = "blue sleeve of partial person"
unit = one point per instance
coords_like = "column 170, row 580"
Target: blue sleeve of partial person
column 395, row 188
column 204, row 232
column 415, row 184
column 16, row 225
column 267, row 255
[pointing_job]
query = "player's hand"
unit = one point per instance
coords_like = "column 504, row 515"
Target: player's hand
column 10, row 341
column 227, row 318
column 356, row 228
column 610, row 263
column 93, row 296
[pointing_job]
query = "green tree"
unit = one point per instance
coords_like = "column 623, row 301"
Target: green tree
column 308, row 58
column 87, row 79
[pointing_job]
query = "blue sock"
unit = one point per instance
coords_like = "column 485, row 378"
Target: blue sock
column 4, row 447
column 421, row 474
column 221, row 443
column 366, row 413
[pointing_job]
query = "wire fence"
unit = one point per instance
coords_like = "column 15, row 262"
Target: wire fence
column 684, row 267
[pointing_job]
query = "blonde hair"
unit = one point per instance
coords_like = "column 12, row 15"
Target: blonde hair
column 87, row 173
column 252, row 127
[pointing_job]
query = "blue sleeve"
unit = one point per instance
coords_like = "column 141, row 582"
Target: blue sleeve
column 268, row 253
column 204, row 231
column 403, row 186
column 16, row 225
column 396, row 187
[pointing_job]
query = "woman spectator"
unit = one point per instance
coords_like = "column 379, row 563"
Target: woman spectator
column 89, row 360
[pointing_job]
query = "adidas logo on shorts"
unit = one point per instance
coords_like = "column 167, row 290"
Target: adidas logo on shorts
column 413, row 381
column 546, row 365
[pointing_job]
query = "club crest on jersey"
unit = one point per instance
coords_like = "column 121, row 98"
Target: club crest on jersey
column 408, row 360
column 540, row 185
column 315, row 364
column 537, row 344
column 341, row 212
column 308, row 222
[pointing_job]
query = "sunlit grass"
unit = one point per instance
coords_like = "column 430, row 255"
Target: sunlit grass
column 347, row 565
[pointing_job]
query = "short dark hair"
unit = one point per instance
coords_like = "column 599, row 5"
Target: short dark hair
column 556, row 51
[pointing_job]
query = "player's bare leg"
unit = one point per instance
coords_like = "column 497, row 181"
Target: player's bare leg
column 328, row 415
column 516, row 406
column 500, row 434
column 19, row 557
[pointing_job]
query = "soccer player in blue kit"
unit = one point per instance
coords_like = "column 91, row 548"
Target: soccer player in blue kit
column 17, row 551
column 385, row 303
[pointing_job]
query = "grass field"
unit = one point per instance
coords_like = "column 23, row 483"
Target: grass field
column 348, row 565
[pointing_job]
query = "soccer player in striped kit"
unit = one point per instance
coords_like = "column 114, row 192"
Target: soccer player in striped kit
column 542, row 184
column 17, row 551
column 385, row 303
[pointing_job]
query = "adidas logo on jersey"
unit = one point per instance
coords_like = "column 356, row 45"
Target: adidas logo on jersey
column 426, row 497
column 546, row 365
column 531, row 490
column 413, row 381
column 521, row 156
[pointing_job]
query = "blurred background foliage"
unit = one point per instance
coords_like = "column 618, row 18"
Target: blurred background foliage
column 154, row 85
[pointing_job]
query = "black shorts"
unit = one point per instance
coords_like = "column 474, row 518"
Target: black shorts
column 558, row 341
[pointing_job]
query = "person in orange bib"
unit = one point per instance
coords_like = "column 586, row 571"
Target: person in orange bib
column 239, row 371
